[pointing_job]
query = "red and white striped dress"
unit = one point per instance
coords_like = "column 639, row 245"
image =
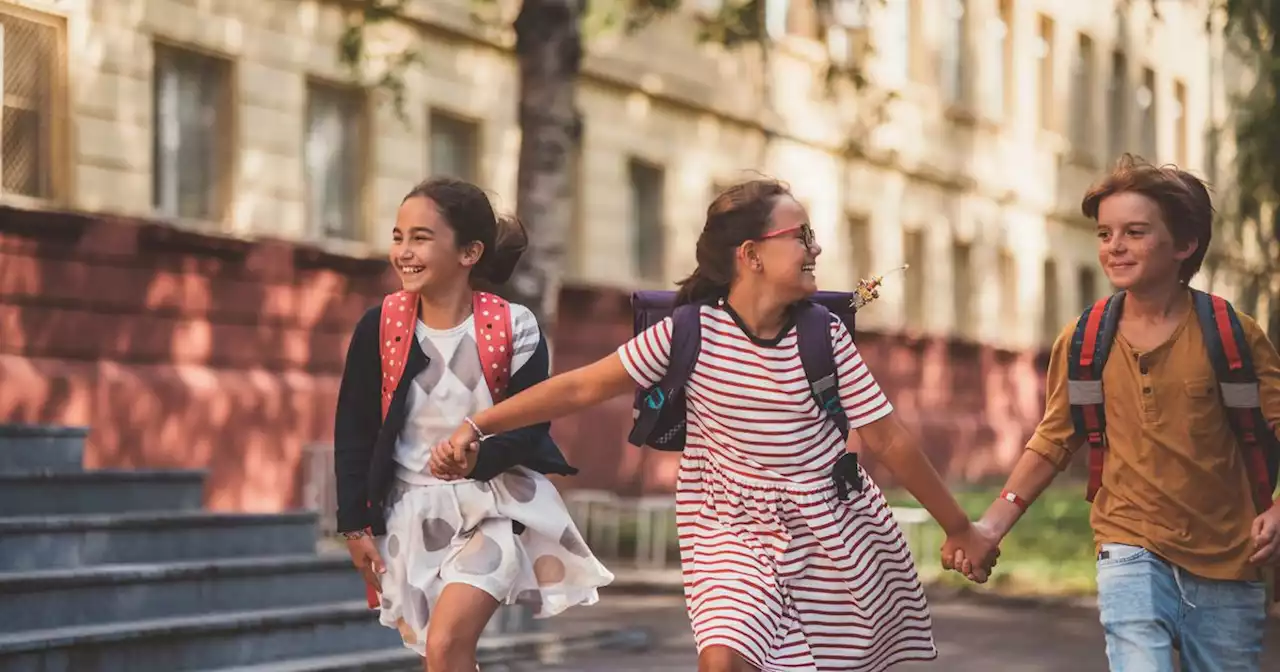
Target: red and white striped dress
column 775, row 566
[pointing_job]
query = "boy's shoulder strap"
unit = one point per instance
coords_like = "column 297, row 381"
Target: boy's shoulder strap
column 1238, row 386
column 1224, row 338
column 1094, row 334
column 395, row 329
column 817, row 356
column 494, row 334
column 1086, row 357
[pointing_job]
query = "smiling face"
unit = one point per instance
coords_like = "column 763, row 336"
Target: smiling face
column 424, row 249
column 784, row 258
column 1135, row 246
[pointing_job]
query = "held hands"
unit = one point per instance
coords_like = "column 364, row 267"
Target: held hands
column 972, row 552
column 455, row 457
column 1266, row 537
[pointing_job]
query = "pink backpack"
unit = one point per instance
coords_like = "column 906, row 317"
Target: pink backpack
column 395, row 337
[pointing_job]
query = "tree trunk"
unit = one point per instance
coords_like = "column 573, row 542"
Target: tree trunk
column 549, row 54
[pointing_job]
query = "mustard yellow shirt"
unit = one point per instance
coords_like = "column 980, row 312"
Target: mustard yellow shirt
column 1174, row 480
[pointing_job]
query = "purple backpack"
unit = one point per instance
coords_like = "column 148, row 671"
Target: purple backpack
column 660, row 410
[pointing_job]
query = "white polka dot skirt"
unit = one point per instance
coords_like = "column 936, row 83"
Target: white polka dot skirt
column 463, row 532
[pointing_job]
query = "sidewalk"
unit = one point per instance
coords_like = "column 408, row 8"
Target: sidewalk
column 974, row 633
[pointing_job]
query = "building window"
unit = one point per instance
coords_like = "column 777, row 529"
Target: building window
column 29, row 115
column 859, row 248
column 1146, row 99
column 913, row 282
column 454, row 147
column 1180, row 124
column 194, row 136
column 1118, row 107
column 1087, row 286
column 1044, row 77
column 962, row 288
column 648, row 241
column 895, row 48
column 1050, row 319
column 335, row 166
column 1000, row 59
column 1082, row 97
column 1007, row 72
column 803, row 19
column 952, row 54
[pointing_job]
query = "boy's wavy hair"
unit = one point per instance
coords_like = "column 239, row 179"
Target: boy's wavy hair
column 1182, row 197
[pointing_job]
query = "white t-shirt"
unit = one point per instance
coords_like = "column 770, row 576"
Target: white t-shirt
column 451, row 387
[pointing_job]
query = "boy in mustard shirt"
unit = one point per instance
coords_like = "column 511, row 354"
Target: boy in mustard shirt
column 1181, row 544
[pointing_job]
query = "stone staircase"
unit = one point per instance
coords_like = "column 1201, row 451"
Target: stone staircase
column 123, row 570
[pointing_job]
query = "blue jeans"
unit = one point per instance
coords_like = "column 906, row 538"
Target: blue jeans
column 1150, row 607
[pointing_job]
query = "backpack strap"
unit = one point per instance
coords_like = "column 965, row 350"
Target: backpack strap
column 1087, row 356
column 1238, row 387
column 686, row 345
column 817, row 356
column 399, row 313
column 494, row 337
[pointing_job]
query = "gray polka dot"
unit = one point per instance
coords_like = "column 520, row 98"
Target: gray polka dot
column 521, row 486
column 393, row 546
column 387, row 603
column 573, row 543
column 436, row 534
column 480, row 556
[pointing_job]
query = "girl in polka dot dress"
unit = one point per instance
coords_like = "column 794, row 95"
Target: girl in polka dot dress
column 443, row 555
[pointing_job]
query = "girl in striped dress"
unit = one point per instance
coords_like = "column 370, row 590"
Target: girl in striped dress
column 780, row 573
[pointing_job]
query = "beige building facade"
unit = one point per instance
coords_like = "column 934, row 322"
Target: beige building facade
column 235, row 116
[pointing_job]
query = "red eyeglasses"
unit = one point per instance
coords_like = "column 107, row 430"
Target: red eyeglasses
column 806, row 234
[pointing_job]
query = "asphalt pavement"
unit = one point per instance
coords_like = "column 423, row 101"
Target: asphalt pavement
column 973, row 634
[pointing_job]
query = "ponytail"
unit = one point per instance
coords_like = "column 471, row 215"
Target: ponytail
column 496, row 265
column 699, row 287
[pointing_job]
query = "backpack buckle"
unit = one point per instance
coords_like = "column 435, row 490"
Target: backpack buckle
column 656, row 398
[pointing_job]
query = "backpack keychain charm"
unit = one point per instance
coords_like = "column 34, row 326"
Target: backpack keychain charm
column 869, row 290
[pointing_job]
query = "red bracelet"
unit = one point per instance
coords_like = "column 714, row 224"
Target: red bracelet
column 1013, row 497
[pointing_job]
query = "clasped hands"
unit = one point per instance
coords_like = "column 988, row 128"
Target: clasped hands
column 972, row 552
column 455, row 457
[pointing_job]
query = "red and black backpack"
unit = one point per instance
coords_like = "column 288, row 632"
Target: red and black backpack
column 1232, row 365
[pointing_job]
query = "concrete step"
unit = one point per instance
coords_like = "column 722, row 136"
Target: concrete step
column 114, row 593
column 200, row 642
column 25, row 448
column 52, row 542
column 103, row 491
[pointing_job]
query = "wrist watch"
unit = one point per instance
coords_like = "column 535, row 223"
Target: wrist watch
column 354, row 534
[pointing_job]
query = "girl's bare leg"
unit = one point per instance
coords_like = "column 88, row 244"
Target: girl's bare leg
column 454, row 628
column 719, row 658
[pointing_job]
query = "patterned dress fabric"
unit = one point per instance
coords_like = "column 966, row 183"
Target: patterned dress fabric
column 776, row 566
column 441, row 532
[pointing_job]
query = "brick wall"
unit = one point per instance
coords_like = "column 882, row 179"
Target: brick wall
column 186, row 350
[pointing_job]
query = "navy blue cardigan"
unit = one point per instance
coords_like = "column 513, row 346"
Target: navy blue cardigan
column 364, row 445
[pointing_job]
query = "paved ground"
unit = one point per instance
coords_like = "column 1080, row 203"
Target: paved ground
column 973, row 636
